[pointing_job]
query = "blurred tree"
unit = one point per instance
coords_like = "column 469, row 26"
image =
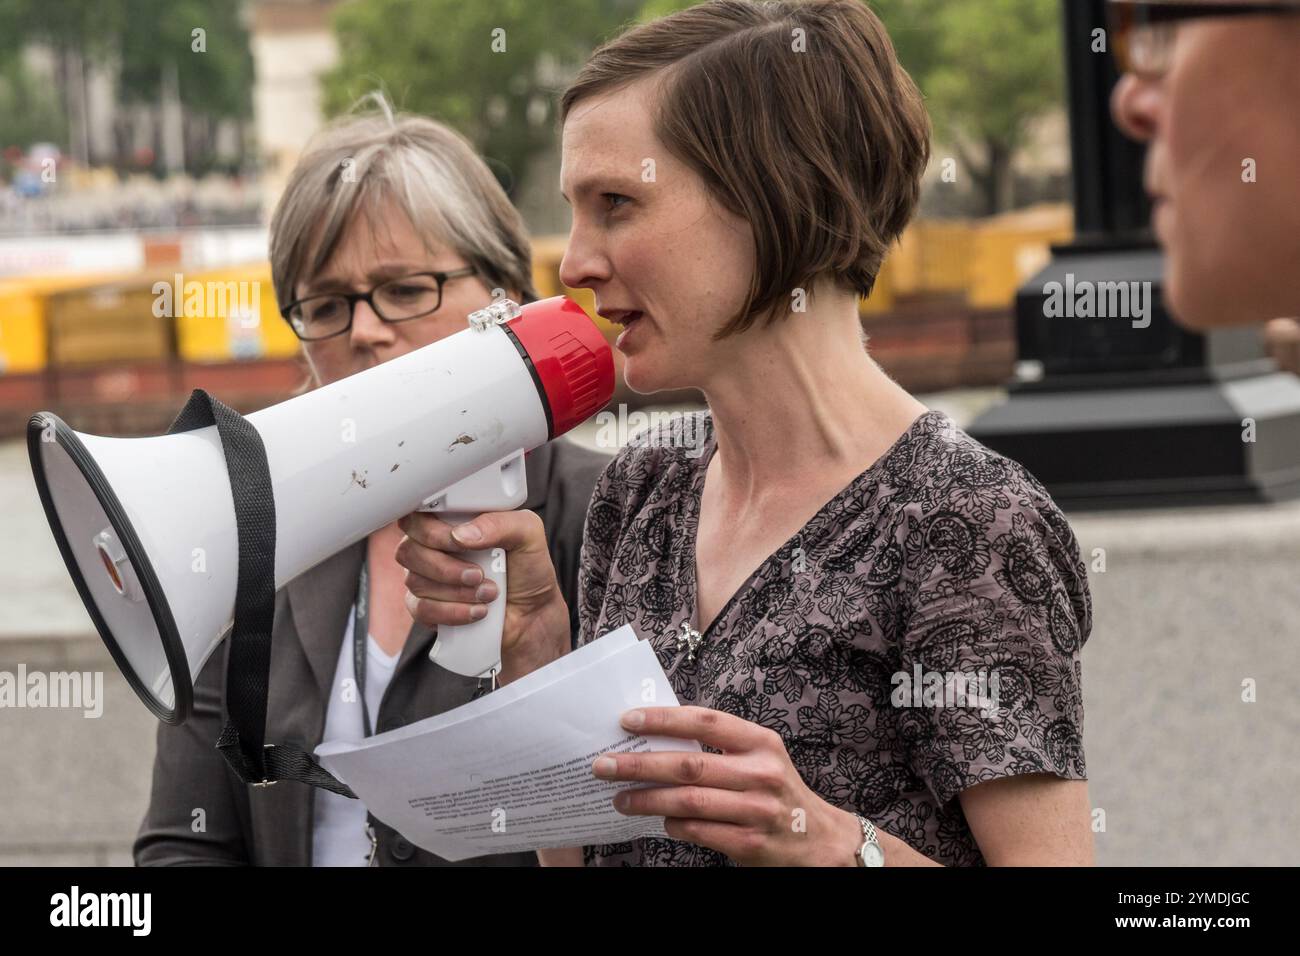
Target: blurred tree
column 997, row 66
column 30, row 112
column 987, row 69
column 911, row 25
column 491, row 70
column 76, row 31
column 145, row 40
column 654, row 9
column 216, row 80
column 203, row 48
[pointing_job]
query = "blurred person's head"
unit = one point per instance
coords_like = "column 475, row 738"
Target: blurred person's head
column 724, row 159
column 377, row 203
column 1217, row 99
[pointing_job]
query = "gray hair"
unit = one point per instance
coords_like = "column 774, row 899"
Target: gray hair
column 365, row 160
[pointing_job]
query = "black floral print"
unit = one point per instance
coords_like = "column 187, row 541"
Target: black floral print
column 943, row 557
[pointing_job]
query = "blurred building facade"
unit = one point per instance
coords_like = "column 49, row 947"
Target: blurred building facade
column 293, row 45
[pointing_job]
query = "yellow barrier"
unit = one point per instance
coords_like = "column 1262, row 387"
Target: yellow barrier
column 110, row 322
column 547, row 253
column 1009, row 249
column 227, row 314
column 218, row 315
column 882, row 295
column 24, row 319
column 933, row 257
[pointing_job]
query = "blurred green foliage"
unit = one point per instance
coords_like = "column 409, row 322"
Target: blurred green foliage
column 30, row 112
column 217, row 81
column 492, row 70
column 987, row 67
column 140, row 40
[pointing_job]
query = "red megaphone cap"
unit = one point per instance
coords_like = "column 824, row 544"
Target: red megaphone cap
column 569, row 358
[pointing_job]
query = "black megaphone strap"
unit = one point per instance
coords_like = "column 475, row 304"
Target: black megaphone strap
column 242, row 739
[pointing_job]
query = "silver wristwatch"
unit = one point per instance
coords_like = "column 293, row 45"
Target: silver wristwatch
column 870, row 853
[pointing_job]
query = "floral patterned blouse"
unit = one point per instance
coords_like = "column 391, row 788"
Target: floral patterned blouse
column 941, row 563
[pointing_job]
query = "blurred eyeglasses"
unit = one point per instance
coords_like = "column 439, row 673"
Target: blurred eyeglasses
column 317, row 317
column 1143, row 32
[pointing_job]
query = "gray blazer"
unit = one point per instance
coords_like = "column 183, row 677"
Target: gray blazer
column 272, row 826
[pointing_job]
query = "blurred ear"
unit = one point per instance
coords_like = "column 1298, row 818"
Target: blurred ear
column 1282, row 337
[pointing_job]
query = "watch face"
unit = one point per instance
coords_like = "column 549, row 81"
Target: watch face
column 872, row 855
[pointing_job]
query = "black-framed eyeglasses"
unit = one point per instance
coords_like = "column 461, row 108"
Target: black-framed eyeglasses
column 1142, row 32
column 324, row 316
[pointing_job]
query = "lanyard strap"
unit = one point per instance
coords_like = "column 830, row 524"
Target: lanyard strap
column 360, row 637
column 360, row 634
column 242, row 740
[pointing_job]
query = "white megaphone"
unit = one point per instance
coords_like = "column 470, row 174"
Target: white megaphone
column 147, row 526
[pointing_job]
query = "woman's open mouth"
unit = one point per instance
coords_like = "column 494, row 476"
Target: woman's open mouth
column 628, row 318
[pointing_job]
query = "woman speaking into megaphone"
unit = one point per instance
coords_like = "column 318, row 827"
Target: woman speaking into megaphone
column 389, row 233
column 818, row 542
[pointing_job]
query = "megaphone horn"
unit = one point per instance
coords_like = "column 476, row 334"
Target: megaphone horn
column 150, row 529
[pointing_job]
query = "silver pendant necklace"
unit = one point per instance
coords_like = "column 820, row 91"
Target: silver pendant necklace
column 690, row 639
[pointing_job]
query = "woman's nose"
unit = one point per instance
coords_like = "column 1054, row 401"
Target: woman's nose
column 1135, row 104
column 583, row 265
column 368, row 330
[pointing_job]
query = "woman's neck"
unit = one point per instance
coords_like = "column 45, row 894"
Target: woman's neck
column 802, row 399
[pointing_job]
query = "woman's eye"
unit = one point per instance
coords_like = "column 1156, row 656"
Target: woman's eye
column 323, row 310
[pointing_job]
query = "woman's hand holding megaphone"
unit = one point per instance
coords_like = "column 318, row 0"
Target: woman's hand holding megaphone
column 444, row 589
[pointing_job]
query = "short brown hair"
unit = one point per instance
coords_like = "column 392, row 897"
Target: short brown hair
column 821, row 151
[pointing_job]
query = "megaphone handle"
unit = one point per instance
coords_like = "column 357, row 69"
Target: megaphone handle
column 474, row 650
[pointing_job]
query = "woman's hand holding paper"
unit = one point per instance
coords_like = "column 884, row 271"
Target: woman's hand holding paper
column 748, row 802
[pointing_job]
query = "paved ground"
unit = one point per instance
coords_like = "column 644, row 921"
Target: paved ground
column 1191, row 604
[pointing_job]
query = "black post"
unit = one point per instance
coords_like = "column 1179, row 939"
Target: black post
column 1108, row 196
column 1116, row 405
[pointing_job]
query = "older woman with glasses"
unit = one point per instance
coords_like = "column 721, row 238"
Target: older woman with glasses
column 389, row 233
column 1213, row 89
